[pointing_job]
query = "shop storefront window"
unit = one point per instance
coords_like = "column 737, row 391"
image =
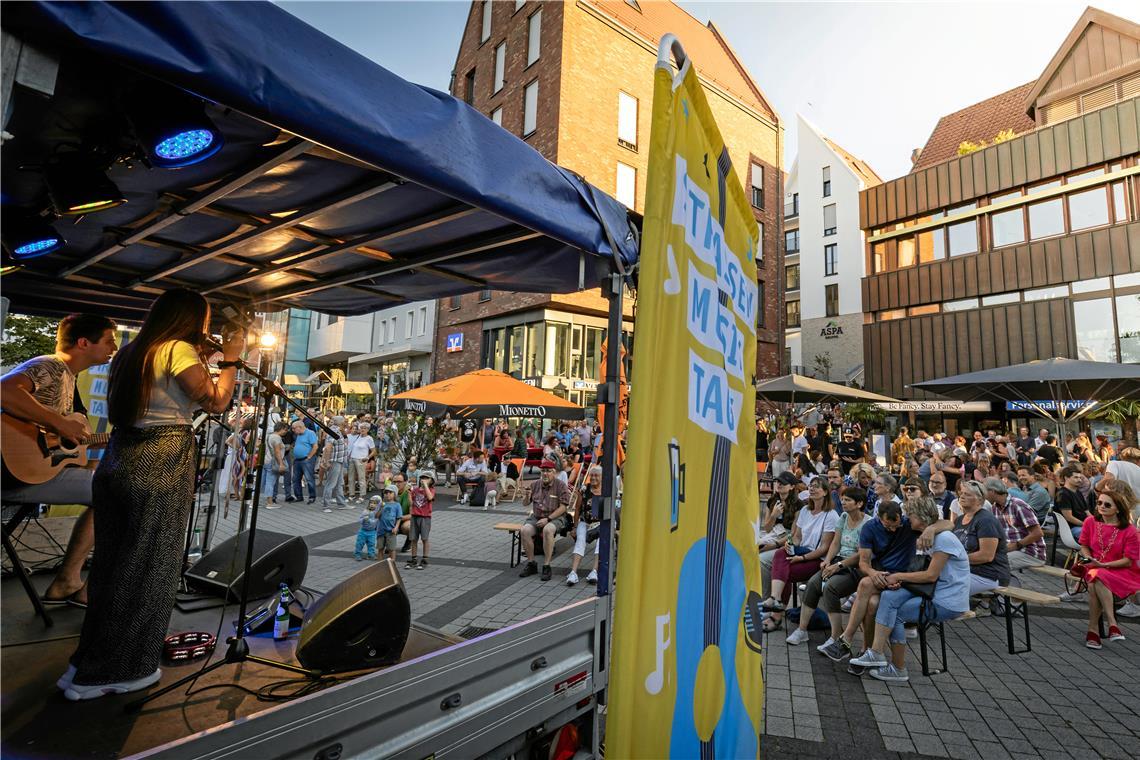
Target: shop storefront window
column 532, row 366
column 557, row 348
column 592, row 354
column 515, row 356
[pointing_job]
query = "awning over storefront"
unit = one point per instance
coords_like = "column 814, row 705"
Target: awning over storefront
column 338, row 187
column 798, row 388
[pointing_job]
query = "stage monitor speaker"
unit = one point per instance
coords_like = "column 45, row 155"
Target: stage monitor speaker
column 362, row 623
column 277, row 558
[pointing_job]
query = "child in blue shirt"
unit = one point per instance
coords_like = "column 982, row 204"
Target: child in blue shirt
column 390, row 515
column 369, row 523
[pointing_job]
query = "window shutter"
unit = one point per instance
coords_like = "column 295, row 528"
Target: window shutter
column 1098, row 98
column 829, row 217
column 1061, row 110
column 1130, row 87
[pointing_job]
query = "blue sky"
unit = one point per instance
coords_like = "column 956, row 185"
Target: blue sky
column 875, row 77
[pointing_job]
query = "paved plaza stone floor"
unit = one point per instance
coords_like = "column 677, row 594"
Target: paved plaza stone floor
column 989, row 705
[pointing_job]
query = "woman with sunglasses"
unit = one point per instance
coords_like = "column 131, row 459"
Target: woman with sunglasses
column 1110, row 550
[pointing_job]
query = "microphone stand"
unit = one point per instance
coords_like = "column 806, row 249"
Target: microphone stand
column 237, row 650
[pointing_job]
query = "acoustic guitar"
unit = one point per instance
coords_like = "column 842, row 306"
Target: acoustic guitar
column 33, row 455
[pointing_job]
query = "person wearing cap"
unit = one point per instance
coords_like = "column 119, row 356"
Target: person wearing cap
column 1025, row 542
column 390, row 514
column 423, row 497
column 778, row 520
column 549, row 501
column 851, row 451
column 369, row 527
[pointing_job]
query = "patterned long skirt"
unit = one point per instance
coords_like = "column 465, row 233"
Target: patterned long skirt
column 142, row 493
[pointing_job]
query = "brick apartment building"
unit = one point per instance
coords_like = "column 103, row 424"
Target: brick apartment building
column 1025, row 249
column 575, row 80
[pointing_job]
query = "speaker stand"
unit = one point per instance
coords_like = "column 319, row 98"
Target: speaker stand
column 237, row 650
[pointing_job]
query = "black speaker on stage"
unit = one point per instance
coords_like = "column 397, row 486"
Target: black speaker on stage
column 362, row 623
column 277, row 558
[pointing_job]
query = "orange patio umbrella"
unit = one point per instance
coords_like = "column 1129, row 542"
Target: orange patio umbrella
column 484, row 393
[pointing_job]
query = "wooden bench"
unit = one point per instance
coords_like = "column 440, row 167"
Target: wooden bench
column 515, row 529
column 924, row 654
column 1056, row 572
column 1016, row 604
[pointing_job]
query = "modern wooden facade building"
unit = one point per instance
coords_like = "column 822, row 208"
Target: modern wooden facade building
column 1026, row 249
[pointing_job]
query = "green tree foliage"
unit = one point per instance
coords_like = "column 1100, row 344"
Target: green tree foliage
column 26, row 337
column 867, row 415
column 422, row 438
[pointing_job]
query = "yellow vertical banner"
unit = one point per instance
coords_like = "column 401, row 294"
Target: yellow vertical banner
column 685, row 680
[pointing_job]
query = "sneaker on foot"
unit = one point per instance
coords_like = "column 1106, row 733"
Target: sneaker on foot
column 64, row 682
column 856, row 670
column 313, row 500
column 848, row 603
column 911, row 631
column 572, row 578
column 371, row 556
column 547, row 572
column 358, row 557
column 798, row 636
column 982, row 610
column 1129, row 610
column 1092, row 640
column 772, row 605
column 77, row 692
column 423, row 564
column 1067, row 597
column 1115, row 634
column 529, row 569
column 407, row 547
column 837, row 650
column 870, row 659
column 890, row 674
column 326, row 509
column 825, row 645
column 410, row 564
column 592, row 577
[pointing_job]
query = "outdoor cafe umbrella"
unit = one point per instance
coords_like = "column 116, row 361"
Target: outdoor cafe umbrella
column 482, row 394
column 1047, row 386
column 797, row 388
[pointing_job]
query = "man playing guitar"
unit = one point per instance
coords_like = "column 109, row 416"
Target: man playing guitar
column 42, row 391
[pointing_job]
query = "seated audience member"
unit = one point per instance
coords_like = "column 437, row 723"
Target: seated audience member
column 1025, row 542
column 949, row 571
column 985, row 541
column 913, row 488
column 584, row 518
column 1036, row 495
column 884, row 489
column 886, row 545
column 1071, row 505
column 472, row 472
column 1051, row 453
column 839, row 572
column 941, row 495
column 549, row 501
column 1110, row 556
column 835, row 485
column 777, row 521
column 800, row 560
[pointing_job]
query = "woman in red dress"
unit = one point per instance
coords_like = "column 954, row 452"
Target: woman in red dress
column 1110, row 549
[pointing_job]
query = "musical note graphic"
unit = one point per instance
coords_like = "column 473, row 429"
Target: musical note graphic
column 656, row 680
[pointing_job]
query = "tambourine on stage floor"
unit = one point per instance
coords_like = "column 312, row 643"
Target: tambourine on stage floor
column 38, row 722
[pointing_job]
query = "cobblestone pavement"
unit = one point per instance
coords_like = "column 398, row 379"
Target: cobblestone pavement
column 990, row 704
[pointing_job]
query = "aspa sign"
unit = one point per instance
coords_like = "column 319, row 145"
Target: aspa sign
column 454, row 342
column 831, row 330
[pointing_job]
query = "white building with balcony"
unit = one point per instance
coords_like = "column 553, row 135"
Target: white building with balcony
column 824, row 258
column 391, row 348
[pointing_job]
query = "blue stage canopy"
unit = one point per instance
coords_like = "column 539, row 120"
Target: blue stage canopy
column 339, row 187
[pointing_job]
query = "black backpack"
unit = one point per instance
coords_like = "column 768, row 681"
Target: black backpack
column 478, row 494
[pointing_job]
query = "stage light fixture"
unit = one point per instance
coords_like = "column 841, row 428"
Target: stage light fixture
column 77, row 185
column 27, row 236
column 173, row 128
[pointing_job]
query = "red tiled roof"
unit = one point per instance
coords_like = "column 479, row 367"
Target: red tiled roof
column 709, row 50
column 858, row 165
column 981, row 121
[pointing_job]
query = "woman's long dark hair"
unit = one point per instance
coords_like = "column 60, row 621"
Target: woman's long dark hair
column 175, row 315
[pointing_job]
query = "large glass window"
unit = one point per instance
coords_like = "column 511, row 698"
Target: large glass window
column 830, row 260
column 485, row 31
column 1088, row 209
column 532, row 364
column 1128, row 327
column 829, row 219
column 515, row 349
column 1092, row 322
column 879, row 257
column 906, row 252
column 931, row 245
column 530, row 108
column 533, row 36
column 500, row 66
column 1008, row 226
column 1001, row 298
column 1090, row 286
column 1046, row 219
column 592, row 364
column 626, row 189
column 831, row 300
column 792, row 272
column 792, row 241
column 792, row 310
column 1041, row 294
column 1119, row 202
column 963, row 237
column 961, row 305
column 627, row 120
column 557, row 348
